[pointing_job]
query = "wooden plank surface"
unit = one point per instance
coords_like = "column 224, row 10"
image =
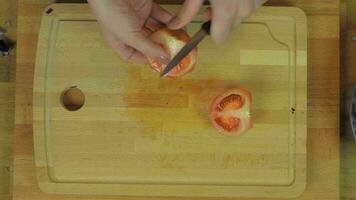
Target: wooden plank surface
column 7, row 100
column 159, row 128
column 323, row 137
column 348, row 80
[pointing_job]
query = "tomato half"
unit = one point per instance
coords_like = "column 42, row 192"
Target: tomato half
column 173, row 41
column 230, row 112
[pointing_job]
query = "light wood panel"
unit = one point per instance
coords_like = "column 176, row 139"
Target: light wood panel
column 323, row 178
column 6, row 133
column 170, row 146
column 7, row 92
column 348, row 77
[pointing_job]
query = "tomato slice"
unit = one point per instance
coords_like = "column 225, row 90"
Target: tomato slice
column 230, row 112
column 173, row 41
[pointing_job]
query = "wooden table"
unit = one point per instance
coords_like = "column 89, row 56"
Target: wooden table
column 7, row 100
column 348, row 80
column 323, row 105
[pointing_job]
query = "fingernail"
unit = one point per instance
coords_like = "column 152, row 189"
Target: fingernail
column 221, row 38
column 163, row 59
column 174, row 22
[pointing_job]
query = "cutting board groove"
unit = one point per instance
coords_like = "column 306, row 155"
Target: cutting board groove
column 137, row 134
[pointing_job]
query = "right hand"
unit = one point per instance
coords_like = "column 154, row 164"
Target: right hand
column 224, row 14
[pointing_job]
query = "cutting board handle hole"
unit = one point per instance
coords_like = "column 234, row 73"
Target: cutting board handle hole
column 72, row 98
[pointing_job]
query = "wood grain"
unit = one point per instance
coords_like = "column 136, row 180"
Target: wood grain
column 7, row 100
column 169, row 146
column 348, row 57
column 323, row 159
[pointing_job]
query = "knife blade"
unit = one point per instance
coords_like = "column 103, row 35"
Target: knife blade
column 196, row 39
column 352, row 111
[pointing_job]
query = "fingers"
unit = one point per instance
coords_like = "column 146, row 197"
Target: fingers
column 223, row 18
column 226, row 14
column 259, row 3
column 160, row 14
column 126, row 52
column 207, row 14
column 153, row 24
column 141, row 43
column 136, row 45
column 146, row 46
column 130, row 54
column 245, row 9
column 187, row 13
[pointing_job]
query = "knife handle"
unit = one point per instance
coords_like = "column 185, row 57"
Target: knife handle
column 206, row 26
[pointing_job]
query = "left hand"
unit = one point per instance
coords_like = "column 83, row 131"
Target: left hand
column 126, row 24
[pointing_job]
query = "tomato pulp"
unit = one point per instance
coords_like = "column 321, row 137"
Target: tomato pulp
column 230, row 112
column 173, row 41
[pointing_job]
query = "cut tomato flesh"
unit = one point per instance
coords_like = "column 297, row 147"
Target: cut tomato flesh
column 231, row 102
column 230, row 112
column 173, row 41
column 228, row 123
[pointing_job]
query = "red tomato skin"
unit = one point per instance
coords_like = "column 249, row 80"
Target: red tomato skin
column 172, row 41
column 214, row 113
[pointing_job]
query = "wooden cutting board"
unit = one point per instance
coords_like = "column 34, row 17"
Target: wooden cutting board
column 138, row 134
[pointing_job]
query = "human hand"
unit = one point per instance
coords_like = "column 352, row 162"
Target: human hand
column 224, row 14
column 126, row 25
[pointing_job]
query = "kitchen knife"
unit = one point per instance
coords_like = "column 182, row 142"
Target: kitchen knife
column 196, row 39
column 352, row 111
